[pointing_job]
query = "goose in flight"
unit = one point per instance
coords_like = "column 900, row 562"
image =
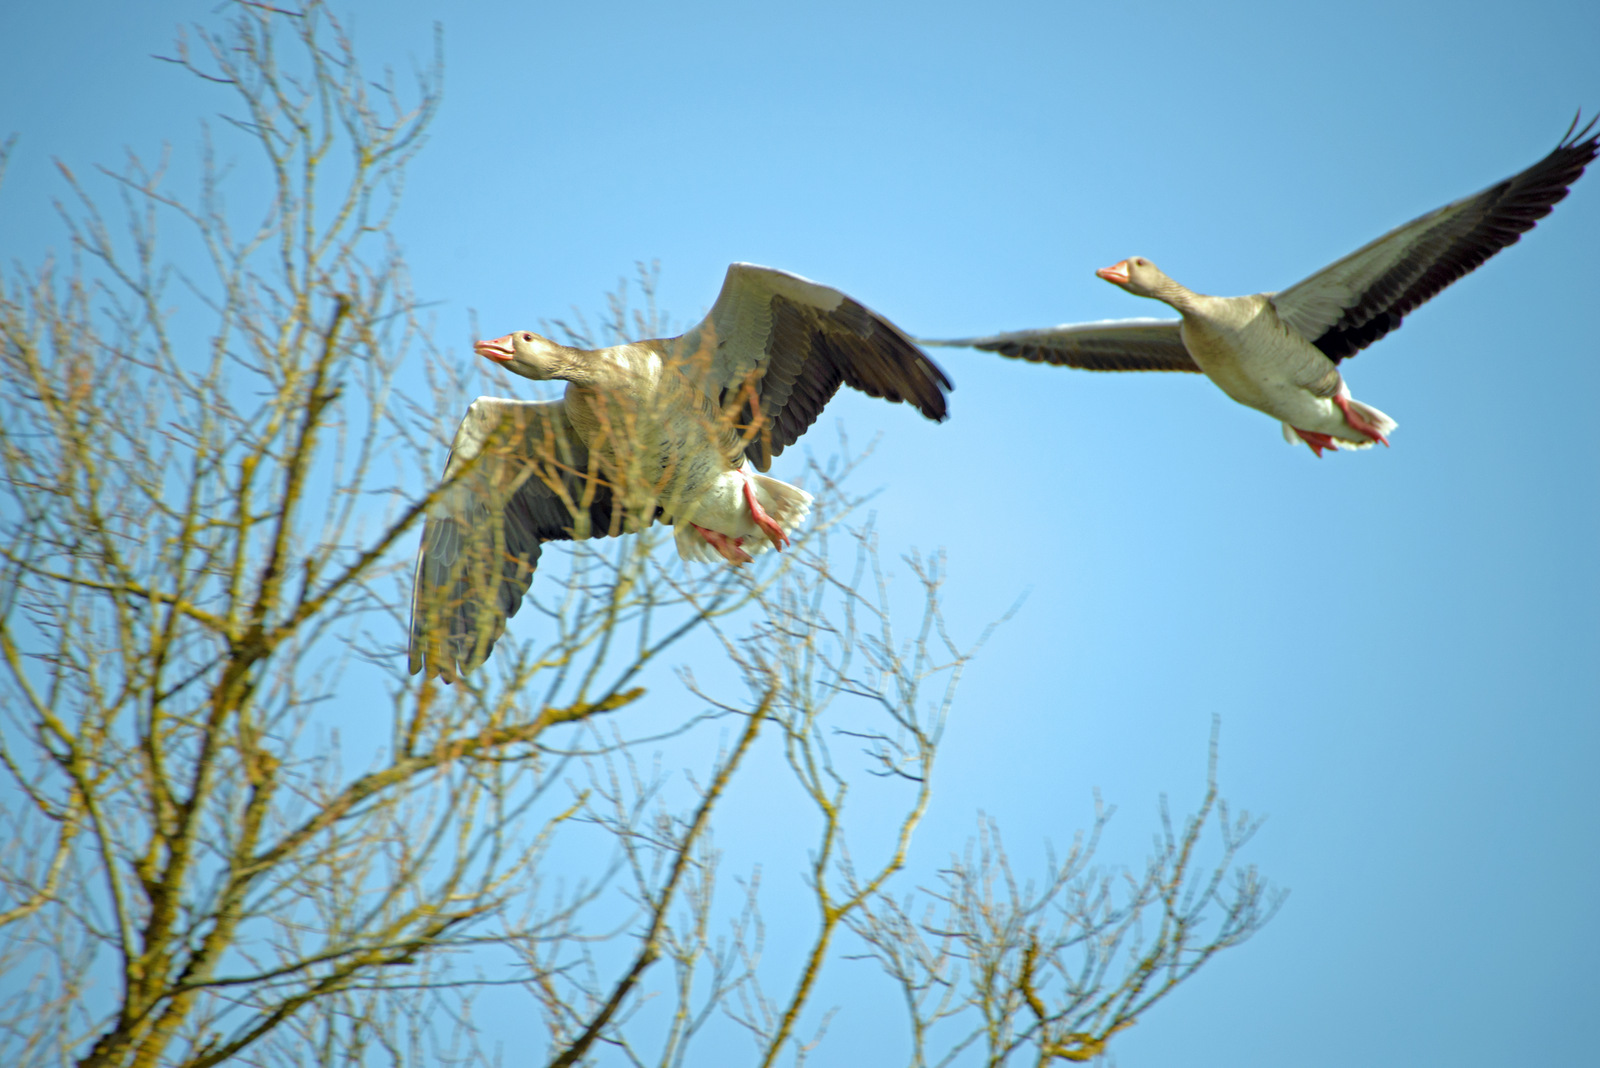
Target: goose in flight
column 1279, row 352
column 667, row 428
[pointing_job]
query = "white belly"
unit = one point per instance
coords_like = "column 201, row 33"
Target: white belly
column 724, row 508
column 1263, row 365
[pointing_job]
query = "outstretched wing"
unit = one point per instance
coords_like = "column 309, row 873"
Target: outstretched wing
column 517, row 476
column 1347, row 306
column 775, row 347
column 1107, row 345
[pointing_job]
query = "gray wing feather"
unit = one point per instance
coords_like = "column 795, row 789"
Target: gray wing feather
column 1107, row 345
column 1348, row 305
column 518, row 476
column 775, row 348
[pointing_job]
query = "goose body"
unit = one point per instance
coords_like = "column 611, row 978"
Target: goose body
column 1280, row 352
column 670, row 429
column 1253, row 356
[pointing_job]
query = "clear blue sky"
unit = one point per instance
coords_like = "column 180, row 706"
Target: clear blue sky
column 1403, row 644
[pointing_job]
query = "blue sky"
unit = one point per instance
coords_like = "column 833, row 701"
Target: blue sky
column 1401, row 644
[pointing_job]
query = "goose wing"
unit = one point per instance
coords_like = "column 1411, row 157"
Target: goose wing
column 775, row 348
column 1348, row 305
column 517, row 476
column 1107, row 345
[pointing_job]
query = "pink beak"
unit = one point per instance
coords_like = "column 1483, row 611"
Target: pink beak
column 1117, row 273
column 499, row 350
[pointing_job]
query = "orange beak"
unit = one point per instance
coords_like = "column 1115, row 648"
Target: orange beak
column 498, row 350
column 1116, row 274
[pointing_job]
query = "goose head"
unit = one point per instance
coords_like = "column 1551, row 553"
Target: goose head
column 526, row 353
column 1137, row 275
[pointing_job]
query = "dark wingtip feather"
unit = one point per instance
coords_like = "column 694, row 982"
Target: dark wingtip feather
column 1571, row 140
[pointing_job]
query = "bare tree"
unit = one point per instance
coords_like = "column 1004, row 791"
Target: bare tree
column 1053, row 968
column 212, row 488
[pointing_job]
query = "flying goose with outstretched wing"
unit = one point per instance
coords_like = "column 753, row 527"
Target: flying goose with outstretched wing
column 668, row 428
column 1279, row 352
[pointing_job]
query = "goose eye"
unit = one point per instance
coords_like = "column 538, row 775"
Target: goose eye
column 527, row 337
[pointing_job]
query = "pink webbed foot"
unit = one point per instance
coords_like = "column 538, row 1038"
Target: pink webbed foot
column 1317, row 441
column 1358, row 423
column 769, row 527
column 732, row 549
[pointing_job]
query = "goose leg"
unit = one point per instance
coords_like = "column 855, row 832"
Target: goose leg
column 1356, row 422
column 768, row 525
column 1318, row 441
column 732, row 549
